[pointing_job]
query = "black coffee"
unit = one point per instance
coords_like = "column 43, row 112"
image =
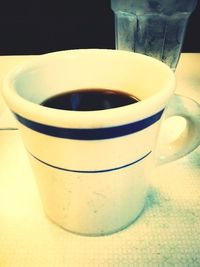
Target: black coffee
column 89, row 99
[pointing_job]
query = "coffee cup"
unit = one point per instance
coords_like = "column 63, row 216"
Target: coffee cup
column 92, row 166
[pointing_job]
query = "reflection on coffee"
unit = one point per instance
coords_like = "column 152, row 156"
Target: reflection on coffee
column 89, row 100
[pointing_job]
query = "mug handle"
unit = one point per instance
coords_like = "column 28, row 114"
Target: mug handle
column 180, row 130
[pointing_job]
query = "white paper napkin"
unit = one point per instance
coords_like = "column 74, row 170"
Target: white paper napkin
column 166, row 234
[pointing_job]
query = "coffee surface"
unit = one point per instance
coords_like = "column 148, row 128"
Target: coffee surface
column 89, row 100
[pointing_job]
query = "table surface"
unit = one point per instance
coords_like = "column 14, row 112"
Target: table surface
column 166, row 234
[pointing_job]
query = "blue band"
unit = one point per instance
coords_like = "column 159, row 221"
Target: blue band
column 94, row 171
column 90, row 133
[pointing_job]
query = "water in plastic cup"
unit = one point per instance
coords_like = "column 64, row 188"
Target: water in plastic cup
column 152, row 27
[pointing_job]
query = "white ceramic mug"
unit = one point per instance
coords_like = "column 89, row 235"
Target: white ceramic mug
column 92, row 167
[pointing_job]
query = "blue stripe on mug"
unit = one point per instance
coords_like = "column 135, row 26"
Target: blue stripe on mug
column 93, row 171
column 90, row 133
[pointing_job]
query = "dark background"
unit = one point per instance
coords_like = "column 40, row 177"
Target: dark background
column 36, row 27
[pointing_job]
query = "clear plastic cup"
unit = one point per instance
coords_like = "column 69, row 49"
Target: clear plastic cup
column 152, row 27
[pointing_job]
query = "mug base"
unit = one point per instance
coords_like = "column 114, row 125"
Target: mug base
column 96, row 233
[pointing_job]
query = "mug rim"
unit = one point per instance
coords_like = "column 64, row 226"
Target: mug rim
column 84, row 119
